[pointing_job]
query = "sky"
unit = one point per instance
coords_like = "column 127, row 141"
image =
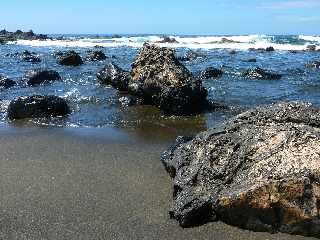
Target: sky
column 190, row 17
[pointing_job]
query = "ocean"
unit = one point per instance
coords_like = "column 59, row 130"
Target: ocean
column 95, row 105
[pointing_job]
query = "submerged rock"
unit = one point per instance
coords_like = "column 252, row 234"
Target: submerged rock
column 258, row 73
column 116, row 36
column 115, row 76
column 30, row 57
column 96, row 56
column 37, row 106
column 36, row 77
column 6, row 82
column 314, row 64
column 251, row 60
column 259, row 171
column 159, row 79
column 70, row 58
column 210, row 73
column 190, row 56
column 259, row 50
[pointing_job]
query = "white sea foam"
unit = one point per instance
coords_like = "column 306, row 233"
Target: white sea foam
column 204, row 42
column 310, row 38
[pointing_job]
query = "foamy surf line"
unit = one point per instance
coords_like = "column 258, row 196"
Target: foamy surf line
column 310, row 38
column 209, row 42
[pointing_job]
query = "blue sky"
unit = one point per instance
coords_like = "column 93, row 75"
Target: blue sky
column 163, row 16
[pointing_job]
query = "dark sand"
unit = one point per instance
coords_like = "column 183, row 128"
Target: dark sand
column 91, row 184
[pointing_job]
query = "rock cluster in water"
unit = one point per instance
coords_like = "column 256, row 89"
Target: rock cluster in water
column 158, row 78
column 6, row 36
column 259, row 171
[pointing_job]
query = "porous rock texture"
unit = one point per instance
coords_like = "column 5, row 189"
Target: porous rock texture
column 159, row 79
column 258, row 171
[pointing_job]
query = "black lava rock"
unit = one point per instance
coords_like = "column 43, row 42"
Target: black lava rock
column 96, row 56
column 6, row 82
column 258, row 73
column 37, row 106
column 258, row 171
column 36, row 77
column 211, row 73
column 70, row 58
column 159, row 79
column 113, row 75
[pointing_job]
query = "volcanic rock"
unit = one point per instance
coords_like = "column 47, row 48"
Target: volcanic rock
column 37, row 106
column 258, row 171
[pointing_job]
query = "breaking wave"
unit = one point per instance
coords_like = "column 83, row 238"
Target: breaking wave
column 242, row 42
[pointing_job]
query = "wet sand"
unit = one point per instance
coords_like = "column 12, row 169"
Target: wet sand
column 92, row 184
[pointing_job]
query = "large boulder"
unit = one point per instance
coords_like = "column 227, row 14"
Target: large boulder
column 113, row 75
column 258, row 171
column 36, row 77
column 211, row 73
column 96, row 56
column 37, row 106
column 261, row 74
column 70, row 58
column 159, row 79
column 6, row 82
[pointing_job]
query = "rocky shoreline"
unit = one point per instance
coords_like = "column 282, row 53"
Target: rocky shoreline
column 258, row 171
column 6, row 36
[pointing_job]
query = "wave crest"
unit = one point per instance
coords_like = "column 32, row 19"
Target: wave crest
column 241, row 42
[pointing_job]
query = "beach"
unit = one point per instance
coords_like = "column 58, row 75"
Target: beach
column 92, row 184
